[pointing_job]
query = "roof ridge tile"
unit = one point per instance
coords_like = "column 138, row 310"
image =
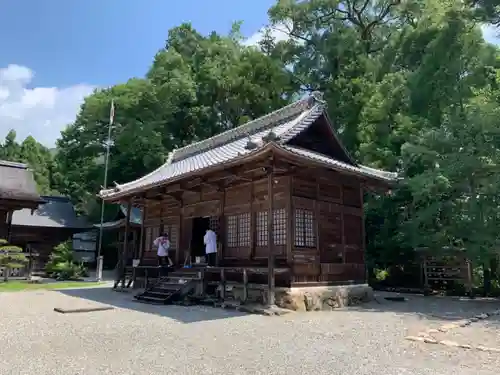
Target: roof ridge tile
column 253, row 126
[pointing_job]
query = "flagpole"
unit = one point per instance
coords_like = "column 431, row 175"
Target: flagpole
column 106, row 163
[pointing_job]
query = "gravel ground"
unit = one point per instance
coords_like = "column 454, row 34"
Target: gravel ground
column 142, row 339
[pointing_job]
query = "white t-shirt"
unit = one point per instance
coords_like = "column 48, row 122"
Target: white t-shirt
column 163, row 245
column 210, row 241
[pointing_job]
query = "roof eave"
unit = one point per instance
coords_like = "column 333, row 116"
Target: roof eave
column 115, row 196
column 290, row 154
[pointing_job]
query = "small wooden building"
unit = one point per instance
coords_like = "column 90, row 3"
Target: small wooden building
column 281, row 192
column 39, row 231
column 117, row 230
column 17, row 191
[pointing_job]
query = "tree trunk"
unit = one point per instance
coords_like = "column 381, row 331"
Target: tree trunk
column 6, row 273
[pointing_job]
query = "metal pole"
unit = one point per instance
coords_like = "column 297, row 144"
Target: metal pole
column 106, row 162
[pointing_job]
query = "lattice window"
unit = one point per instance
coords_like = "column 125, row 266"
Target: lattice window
column 172, row 231
column 238, row 230
column 261, row 226
column 279, row 226
column 232, row 231
column 244, row 229
column 214, row 224
column 155, row 232
column 304, row 228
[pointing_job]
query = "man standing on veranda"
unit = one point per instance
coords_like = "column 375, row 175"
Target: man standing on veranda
column 210, row 241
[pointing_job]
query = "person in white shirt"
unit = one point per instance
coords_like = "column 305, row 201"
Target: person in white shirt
column 163, row 245
column 210, row 241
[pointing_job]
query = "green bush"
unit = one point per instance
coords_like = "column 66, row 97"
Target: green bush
column 381, row 274
column 11, row 257
column 62, row 266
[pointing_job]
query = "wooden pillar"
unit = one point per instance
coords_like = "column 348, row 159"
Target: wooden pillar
column 270, row 259
column 9, row 225
column 143, row 234
column 252, row 223
column 180, row 234
column 125, row 242
column 363, row 233
column 222, row 230
column 342, row 225
column 290, row 214
column 317, row 228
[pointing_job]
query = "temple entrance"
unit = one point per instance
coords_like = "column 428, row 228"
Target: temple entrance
column 200, row 225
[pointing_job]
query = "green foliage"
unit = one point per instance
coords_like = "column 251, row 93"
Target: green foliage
column 38, row 157
column 411, row 87
column 381, row 275
column 196, row 87
column 11, row 257
column 61, row 264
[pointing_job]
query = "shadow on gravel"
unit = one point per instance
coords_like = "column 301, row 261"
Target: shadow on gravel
column 434, row 308
column 184, row 314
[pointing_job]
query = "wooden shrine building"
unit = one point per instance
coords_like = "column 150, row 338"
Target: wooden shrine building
column 118, row 229
column 281, row 192
column 51, row 223
column 17, row 191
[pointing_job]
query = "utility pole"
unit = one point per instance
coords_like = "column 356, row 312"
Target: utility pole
column 106, row 164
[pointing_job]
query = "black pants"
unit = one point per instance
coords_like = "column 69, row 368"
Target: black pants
column 211, row 259
column 164, row 260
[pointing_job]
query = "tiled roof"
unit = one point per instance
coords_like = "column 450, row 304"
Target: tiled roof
column 17, row 182
column 229, row 146
column 339, row 165
column 56, row 212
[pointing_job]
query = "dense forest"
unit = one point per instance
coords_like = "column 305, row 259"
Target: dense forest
column 411, row 87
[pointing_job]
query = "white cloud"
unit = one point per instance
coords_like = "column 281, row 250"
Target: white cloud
column 41, row 112
column 278, row 32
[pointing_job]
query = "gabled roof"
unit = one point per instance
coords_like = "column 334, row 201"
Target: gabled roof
column 231, row 146
column 17, row 182
column 135, row 218
column 56, row 212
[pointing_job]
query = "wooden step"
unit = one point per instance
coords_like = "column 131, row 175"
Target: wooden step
column 167, row 286
column 148, row 299
column 158, row 294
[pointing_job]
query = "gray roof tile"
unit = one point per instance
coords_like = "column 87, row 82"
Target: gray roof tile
column 17, row 182
column 339, row 165
column 57, row 212
column 286, row 123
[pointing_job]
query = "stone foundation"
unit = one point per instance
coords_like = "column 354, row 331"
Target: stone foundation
column 323, row 298
column 319, row 298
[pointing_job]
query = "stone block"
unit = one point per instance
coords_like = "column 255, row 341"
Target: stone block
column 325, row 298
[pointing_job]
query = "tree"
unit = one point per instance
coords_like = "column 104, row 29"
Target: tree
column 10, row 257
column 197, row 86
column 61, row 264
column 38, row 157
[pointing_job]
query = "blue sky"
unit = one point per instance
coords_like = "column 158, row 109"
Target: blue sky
column 54, row 52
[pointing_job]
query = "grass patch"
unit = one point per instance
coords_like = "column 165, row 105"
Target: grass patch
column 24, row 285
